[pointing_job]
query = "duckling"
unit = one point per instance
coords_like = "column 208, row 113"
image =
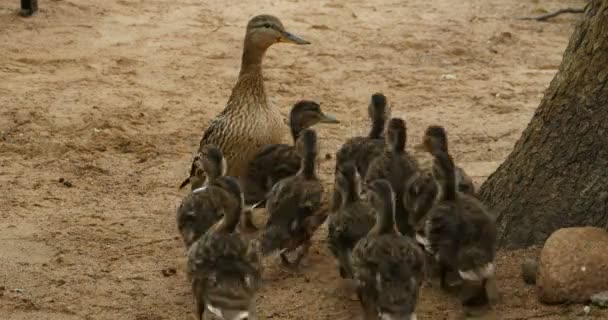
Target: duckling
column 224, row 278
column 396, row 166
column 200, row 209
column 388, row 266
column 460, row 233
column 247, row 122
column 421, row 189
column 362, row 150
column 352, row 221
column 278, row 161
column 294, row 206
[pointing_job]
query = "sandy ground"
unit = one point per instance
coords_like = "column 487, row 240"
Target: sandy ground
column 113, row 96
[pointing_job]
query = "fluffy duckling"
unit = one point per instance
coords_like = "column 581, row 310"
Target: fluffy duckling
column 224, row 278
column 396, row 166
column 352, row 221
column 247, row 122
column 421, row 189
column 278, row 161
column 200, row 209
column 362, row 150
column 461, row 234
column 388, row 266
column 294, row 206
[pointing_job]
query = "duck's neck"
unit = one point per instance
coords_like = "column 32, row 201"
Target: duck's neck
column 250, row 84
column 377, row 129
column 350, row 194
column 385, row 222
column 308, row 166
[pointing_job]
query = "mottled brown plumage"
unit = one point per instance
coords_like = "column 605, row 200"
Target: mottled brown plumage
column 362, row 150
column 396, row 166
column 201, row 209
column 460, row 233
column 294, row 205
column 247, row 122
column 278, row 161
column 225, row 278
column 388, row 266
column 352, row 221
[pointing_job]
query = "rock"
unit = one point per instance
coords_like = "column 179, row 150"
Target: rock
column 600, row 299
column 572, row 265
column 529, row 269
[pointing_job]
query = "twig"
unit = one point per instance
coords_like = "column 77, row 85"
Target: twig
column 554, row 14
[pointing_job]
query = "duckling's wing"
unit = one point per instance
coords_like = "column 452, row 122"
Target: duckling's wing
column 361, row 150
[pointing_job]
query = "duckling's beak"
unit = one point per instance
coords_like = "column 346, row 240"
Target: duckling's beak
column 328, row 118
column 292, row 38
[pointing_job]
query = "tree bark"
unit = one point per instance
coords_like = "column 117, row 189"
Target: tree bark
column 557, row 174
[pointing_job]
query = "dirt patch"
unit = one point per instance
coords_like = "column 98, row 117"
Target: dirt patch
column 113, row 96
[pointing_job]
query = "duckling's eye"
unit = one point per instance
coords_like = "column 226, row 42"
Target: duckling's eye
column 266, row 25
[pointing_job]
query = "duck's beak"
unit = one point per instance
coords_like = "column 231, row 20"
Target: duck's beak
column 292, row 38
column 328, row 118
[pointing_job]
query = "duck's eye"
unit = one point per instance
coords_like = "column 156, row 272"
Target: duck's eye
column 266, row 25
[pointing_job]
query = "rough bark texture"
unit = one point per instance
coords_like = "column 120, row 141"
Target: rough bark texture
column 557, row 173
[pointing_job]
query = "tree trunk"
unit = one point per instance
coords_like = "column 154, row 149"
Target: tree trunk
column 557, row 174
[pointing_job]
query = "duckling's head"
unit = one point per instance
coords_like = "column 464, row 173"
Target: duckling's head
column 396, row 135
column 230, row 293
column 213, row 161
column 378, row 109
column 307, row 145
column 348, row 180
column 435, row 139
column 397, row 298
column 265, row 30
column 305, row 113
column 229, row 192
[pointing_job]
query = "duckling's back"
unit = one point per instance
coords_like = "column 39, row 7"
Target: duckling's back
column 196, row 214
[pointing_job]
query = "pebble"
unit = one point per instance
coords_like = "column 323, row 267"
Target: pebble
column 600, row 299
column 529, row 268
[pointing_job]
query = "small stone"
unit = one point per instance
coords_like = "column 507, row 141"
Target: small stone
column 328, row 156
column 19, row 290
column 529, row 268
column 169, row 272
column 67, row 183
column 586, row 310
column 600, row 299
column 61, row 180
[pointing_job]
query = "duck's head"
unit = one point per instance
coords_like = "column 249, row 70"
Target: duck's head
column 228, row 190
column 307, row 145
column 378, row 109
column 265, row 30
column 213, row 161
column 396, row 135
column 305, row 114
column 435, row 139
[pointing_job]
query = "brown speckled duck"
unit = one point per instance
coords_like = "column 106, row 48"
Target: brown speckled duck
column 397, row 166
column 421, row 189
column 387, row 266
column 461, row 234
column 248, row 122
column 278, row 161
column 352, row 221
column 225, row 278
column 200, row 209
column 362, row 150
column 294, row 206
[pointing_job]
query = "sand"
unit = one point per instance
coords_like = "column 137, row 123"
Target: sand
column 112, row 96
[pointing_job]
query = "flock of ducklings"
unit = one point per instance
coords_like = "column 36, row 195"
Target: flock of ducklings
column 392, row 225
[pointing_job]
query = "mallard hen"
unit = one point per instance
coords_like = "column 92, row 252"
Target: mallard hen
column 278, row 161
column 397, row 166
column 362, row 150
column 388, row 266
column 352, row 221
column 248, row 122
column 294, row 206
column 225, row 278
